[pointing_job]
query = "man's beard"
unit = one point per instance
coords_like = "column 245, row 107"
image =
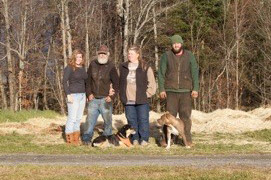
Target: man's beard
column 102, row 60
column 177, row 51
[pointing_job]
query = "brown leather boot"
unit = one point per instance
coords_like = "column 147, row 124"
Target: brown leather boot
column 76, row 136
column 69, row 138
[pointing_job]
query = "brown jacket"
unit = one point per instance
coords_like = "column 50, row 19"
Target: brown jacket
column 100, row 76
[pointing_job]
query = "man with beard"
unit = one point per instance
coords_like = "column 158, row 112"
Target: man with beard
column 178, row 83
column 101, row 74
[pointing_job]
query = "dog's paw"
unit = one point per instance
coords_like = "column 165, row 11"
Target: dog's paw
column 188, row 147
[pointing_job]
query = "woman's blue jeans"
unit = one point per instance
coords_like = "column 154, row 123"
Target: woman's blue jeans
column 95, row 108
column 75, row 112
column 138, row 117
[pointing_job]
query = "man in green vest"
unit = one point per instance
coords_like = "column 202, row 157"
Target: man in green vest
column 178, row 83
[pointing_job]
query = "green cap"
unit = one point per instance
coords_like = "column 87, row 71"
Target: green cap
column 176, row 39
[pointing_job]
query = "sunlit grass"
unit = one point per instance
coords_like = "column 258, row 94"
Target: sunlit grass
column 15, row 143
column 263, row 135
column 24, row 115
column 30, row 172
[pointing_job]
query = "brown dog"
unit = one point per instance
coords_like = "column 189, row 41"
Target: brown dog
column 174, row 126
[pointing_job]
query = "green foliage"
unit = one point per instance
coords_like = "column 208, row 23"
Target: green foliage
column 196, row 21
column 24, row 115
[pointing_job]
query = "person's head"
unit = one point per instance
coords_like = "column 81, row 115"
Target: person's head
column 134, row 54
column 103, row 54
column 76, row 59
column 177, row 43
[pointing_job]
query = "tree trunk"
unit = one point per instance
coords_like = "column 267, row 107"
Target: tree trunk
column 60, row 91
column 3, row 94
column 64, row 31
column 126, row 29
column 68, row 29
column 158, row 107
column 22, row 51
column 45, row 103
column 11, row 70
column 237, row 55
column 86, row 42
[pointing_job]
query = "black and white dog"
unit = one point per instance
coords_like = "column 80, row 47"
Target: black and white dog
column 121, row 138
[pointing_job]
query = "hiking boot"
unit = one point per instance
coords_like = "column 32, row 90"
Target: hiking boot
column 76, row 140
column 69, row 138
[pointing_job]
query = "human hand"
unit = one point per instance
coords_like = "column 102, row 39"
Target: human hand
column 108, row 99
column 111, row 91
column 90, row 97
column 69, row 98
column 194, row 94
column 163, row 95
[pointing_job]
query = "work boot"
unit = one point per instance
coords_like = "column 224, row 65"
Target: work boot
column 69, row 138
column 76, row 140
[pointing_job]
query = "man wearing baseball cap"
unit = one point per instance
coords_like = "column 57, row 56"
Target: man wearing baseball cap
column 178, row 83
column 101, row 74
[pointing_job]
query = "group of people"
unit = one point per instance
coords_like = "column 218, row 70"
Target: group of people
column 135, row 84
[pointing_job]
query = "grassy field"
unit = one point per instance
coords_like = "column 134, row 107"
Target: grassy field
column 24, row 115
column 123, row 173
column 224, row 144
column 206, row 144
column 217, row 143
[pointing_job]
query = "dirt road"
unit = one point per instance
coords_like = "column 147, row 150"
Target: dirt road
column 255, row 160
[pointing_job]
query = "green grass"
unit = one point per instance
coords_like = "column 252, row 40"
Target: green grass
column 15, row 143
column 30, row 172
column 217, row 143
column 24, row 115
column 262, row 135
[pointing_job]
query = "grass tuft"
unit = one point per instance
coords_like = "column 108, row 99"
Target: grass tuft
column 263, row 135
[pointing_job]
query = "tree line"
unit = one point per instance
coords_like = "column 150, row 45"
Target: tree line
column 231, row 40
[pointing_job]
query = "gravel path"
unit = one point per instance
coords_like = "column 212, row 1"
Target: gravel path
column 258, row 161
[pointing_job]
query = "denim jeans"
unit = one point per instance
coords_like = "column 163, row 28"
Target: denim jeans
column 138, row 117
column 95, row 108
column 75, row 112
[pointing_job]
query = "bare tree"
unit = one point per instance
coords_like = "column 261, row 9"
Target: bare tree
column 2, row 89
column 158, row 108
column 68, row 28
column 64, row 31
column 11, row 69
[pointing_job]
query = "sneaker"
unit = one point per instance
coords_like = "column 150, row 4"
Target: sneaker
column 135, row 142
column 144, row 143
